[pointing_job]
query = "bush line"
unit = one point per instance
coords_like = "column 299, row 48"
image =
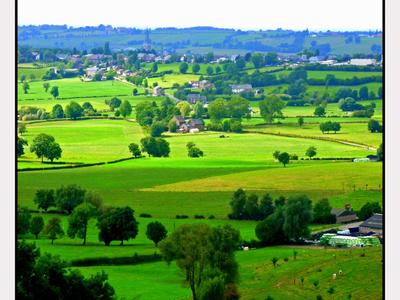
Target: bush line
column 107, row 261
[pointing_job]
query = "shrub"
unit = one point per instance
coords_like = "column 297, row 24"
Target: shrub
column 145, row 215
column 181, row 217
column 198, row 216
column 211, row 217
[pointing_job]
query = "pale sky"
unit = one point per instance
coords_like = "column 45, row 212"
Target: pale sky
column 244, row 14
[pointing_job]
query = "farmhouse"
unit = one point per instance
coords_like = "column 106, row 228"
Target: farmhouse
column 90, row 72
column 196, row 124
column 362, row 61
column 344, row 215
column 240, row 88
column 158, row 91
column 179, row 120
column 194, row 98
column 373, row 224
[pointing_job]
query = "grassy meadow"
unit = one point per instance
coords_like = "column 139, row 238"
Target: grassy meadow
column 179, row 185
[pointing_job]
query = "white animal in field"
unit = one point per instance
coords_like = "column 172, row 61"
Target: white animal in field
column 334, row 276
column 340, row 272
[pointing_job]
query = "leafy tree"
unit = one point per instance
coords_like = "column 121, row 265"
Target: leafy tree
column 54, row 92
column 217, row 109
column 258, row 60
column 93, row 199
column 212, row 288
column 21, row 128
column 46, row 277
column 46, row 86
column 210, row 70
column 238, row 204
column 172, row 126
column 380, row 152
column 156, row 232
column 322, row 212
column 117, row 224
column 198, row 110
column 270, row 231
column 25, row 87
column 193, row 151
column 68, row 197
column 156, row 147
column 184, row 108
column 271, row 108
column 368, row 210
column 157, row 128
column 135, row 91
column 135, row 150
column 363, row 93
column 284, row 158
column 274, row 260
column 79, row 220
column 183, row 67
column 349, row 104
column 311, row 152
column 113, row 103
column 197, row 248
column 300, row 121
column 88, row 107
column 57, row 112
column 54, row 151
column 374, row 126
column 238, row 107
column 23, row 220
column 297, row 88
column 23, row 77
column 266, row 206
column 271, row 58
column 44, row 145
column 44, row 199
column 240, row 63
column 297, row 74
column 196, row 68
column 20, row 146
column 298, row 215
column 154, row 68
column 53, row 229
column 276, row 154
column 251, row 207
column 36, row 226
column 319, row 111
column 336, row 126
column 73, row 110
column 125, row 108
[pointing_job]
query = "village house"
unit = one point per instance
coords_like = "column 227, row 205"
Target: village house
column 362, row 61
column 193, row 125
column 179, row 120
column 194, row 98
column 373, row 224
column 158, row 91
column 196, row 124
column 95, row 58
column 240, row 88
column 90, row 72
column 344, row 215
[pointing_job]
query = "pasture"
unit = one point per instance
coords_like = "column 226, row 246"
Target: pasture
column 258, row 277
column 167, row 81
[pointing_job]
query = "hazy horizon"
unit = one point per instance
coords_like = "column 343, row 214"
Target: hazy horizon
column 344, row 15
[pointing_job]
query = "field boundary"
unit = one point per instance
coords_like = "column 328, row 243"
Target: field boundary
column 344, row 142
column 77, row 165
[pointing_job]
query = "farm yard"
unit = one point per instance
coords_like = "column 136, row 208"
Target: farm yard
column 180, row 189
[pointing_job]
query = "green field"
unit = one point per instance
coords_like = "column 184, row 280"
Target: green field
column 258, row 277
column 29, row 70
column 337, row 74
column 179, row 185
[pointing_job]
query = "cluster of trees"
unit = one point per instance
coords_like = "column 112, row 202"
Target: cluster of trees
column 193, row 151
column 206, row 256
column 368, row 210
column 325, row 127
column 156, row 147
column 114, row 223
column 289, row 221
column 44, row 146
column 248, row 207
column 121, row 108
column 271, row 108
column 47, row 277
column 236, row 108
column 349, row 104
column 361, row 94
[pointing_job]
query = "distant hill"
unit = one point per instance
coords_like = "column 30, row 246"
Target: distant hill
column 201, row 39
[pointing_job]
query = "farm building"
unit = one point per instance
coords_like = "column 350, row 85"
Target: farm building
column 330, row 239
column 196, row 123
column 373, row 224
column 202, row 84
column 362, row 61
column 344, row 215
column 158, row 91
column 240, row 88
column 179, row 120
column 194, row 98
